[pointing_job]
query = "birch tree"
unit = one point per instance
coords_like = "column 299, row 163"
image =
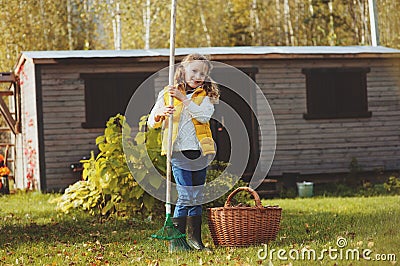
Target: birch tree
column 332, row 35
column 278, row 21
column 147, row 24
column 288, row 23
column 256, row 31
column 203, row 22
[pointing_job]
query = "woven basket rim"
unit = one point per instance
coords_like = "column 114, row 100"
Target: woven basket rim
column 258, row 206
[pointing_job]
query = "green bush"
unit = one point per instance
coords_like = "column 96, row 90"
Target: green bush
column 110, row 179
column 225, row 181
column 393, row 185
column 109, row 186
column 367, row 189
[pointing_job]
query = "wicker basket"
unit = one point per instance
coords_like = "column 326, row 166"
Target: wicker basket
column 243, row 226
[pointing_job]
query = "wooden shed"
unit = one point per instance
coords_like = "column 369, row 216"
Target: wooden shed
column 331, row 105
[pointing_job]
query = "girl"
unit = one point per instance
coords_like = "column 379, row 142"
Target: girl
column 194, row 97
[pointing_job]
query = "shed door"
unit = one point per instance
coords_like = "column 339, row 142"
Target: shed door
column 247, row 117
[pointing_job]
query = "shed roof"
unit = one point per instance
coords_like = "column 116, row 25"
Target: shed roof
column 218, row 53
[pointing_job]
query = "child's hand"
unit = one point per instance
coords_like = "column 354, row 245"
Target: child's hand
column 175, row 92
column 167, row 110
column 164, row 112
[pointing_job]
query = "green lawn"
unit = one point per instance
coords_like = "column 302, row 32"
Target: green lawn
column 33, row 233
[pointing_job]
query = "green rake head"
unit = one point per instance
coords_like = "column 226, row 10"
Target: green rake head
column 177, row 240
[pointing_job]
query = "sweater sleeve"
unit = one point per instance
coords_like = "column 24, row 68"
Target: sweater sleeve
column 202, row 112
column 151, row 122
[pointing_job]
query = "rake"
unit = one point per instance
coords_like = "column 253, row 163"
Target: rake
column 176, row 240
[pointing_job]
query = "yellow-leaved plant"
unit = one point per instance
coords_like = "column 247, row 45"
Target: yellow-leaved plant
column 109, row 186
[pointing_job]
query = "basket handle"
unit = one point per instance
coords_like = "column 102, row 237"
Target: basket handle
column 250, row 190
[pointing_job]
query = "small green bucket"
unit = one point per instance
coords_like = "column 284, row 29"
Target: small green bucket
column 305, row 189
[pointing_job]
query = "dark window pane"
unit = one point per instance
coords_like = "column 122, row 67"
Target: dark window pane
column 107, row 94
column 336, row 93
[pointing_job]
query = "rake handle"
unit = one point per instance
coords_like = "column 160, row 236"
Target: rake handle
column 171, row 102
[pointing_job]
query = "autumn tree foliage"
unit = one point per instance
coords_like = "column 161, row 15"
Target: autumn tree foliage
column 143, row 24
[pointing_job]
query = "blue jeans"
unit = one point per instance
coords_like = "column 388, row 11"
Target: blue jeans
column 189, row 186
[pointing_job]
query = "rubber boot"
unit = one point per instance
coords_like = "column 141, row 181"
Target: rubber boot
column 180, row 243
column 194, row 233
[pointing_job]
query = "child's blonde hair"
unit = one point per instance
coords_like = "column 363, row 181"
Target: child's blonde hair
column 209, row 85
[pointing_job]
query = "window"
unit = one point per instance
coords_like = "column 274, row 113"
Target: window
column 108, row 94
column 336, row 93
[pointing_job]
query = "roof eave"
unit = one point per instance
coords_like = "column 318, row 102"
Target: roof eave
column 217, row 57
column 216, row 53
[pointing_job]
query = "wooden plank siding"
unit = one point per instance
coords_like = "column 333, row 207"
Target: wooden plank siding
column 304, row 146
column 329, row 145
column 27, row 143
column 65, row 140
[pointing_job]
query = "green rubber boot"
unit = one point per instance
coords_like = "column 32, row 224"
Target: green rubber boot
column 194, row 233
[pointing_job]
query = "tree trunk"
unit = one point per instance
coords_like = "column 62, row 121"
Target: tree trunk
column 311, row 30
column 364, row 18
column 255, row 22
column 278, row 21
column 44, row 28
column 373, row 18
column 86, row 7
column 147, row 24
column 288, row 24
column 332, row 35
column 354, row 20
column 203, row 23
column 116, row 24
column 297, row 22
column 69, row 25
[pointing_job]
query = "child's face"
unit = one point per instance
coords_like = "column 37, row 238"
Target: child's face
column 195, row 73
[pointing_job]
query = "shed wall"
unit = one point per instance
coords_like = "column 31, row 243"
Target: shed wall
column 329, row 145
column 65, row 140
column 304, row 146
